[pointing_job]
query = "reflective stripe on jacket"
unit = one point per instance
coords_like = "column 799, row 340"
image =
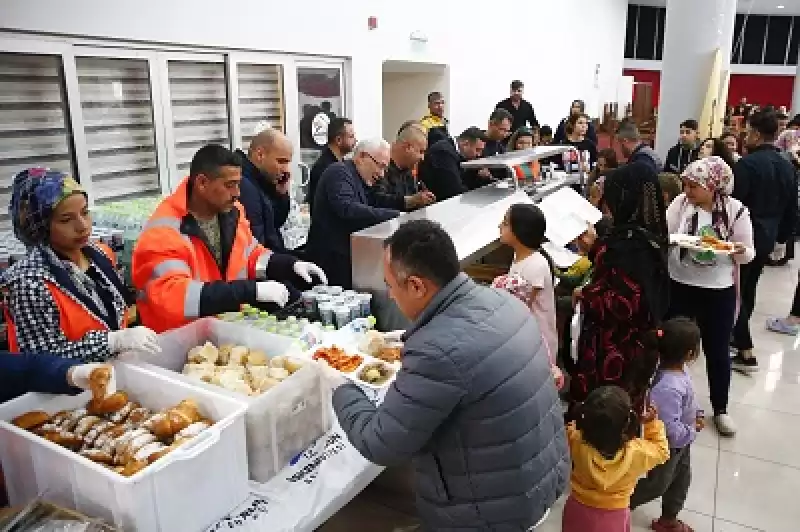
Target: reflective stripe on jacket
column 178, row 278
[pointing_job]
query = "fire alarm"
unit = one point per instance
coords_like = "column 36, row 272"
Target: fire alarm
column 372, row 23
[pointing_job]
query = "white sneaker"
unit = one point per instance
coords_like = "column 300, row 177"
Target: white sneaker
column 725, row 425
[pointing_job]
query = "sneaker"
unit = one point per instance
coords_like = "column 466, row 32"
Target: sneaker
column 782, row 326
column 725, row 425
column 744, row 364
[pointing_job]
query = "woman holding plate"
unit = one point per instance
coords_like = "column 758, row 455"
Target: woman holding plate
column 704, row 275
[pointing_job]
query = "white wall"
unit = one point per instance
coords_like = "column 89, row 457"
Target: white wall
column 552, row 46
column 404, row 97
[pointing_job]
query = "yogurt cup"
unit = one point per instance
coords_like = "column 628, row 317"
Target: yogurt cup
column 341, row 315
column 365, row 300
column 309, row 302
column 326, row 313
column 335, row 290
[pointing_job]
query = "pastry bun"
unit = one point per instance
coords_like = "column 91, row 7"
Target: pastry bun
column 108, row 405
column 31, row 420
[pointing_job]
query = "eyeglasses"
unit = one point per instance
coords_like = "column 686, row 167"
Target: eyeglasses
column 381, row 166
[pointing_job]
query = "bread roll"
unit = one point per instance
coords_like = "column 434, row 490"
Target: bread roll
column 31, row 420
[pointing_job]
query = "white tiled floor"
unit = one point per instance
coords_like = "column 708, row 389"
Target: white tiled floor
column 750, row 482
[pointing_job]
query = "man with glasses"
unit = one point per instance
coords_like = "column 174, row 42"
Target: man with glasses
column 399, row 190
column 343, row 205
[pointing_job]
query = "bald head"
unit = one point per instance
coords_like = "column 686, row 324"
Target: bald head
column 409, row 148
column 271, row 152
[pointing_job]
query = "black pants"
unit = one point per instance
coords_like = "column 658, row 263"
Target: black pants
column 670, row 481
column 713, row 310
column 796, row 303
column 749, row 274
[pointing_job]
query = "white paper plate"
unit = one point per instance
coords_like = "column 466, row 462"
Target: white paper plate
column 693, row 243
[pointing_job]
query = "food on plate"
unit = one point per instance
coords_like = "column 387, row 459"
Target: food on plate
column 710, row 241
column 389, row 354
column 125, row 440
column 240, row 369
column 338, row 359
column 371, row 343
column 376, row 374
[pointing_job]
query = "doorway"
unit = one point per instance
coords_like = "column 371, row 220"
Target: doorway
column 406, row 85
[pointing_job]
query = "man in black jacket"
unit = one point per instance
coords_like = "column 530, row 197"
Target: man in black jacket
column 521, row 109
column 685, row 151
column 398, row 189
column 265, row 186
column 343, row 206
column 341, row 141
column 441, row 170
column 765, row 182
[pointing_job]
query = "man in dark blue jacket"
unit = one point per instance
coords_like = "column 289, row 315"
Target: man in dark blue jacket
column 21, row 373
column 766, row 183
column 265, row 186
column 343, row 206
column 635, row 150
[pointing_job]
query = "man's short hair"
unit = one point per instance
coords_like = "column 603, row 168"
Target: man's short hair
column 209, row 159
column 498, row 115
column 782, row 116
column 434, row 96
column 628, row 131
column 795, row 121
column 545, row 131
column 370, row 146
column 423, row 249
column 411, row 129
column 766, row 123
column 473, row 134
column 691, row 123
column 517, row 85
column 337, row 127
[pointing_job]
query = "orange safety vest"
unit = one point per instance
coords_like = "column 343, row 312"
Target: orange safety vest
column 74, row 320
column 169, row 268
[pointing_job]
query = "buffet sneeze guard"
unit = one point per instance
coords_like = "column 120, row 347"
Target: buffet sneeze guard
column 471, row 220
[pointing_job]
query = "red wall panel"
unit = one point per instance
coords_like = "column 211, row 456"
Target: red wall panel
column 759, row 89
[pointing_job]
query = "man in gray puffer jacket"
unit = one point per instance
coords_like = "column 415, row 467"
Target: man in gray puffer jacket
column 474, row 406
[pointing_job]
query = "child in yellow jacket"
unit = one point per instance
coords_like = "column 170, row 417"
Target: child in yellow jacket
column 607, row 462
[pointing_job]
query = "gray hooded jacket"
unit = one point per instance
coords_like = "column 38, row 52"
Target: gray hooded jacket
column 475, row 408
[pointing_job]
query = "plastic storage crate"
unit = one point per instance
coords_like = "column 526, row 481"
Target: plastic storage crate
column 187, row 490
column 281, row 422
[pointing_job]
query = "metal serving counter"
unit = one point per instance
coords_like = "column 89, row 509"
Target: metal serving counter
column 471, row 219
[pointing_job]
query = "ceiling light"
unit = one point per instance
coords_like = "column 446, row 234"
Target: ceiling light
column 781, row 7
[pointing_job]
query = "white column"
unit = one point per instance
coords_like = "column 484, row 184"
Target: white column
column 694, row 30
column 796, row 93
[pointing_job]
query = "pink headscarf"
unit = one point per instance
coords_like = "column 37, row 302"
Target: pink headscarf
column 713, row 174
column 789, row 141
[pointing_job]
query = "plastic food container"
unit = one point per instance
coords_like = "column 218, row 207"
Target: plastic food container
column 188, row 489
column 281, row 422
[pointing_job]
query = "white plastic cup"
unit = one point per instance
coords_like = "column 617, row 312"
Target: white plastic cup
column 325, row 312
column 341, row 316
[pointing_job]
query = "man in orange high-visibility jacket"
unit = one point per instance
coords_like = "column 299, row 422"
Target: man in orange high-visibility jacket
column 197, row 257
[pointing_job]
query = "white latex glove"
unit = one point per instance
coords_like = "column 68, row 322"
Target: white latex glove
column 779, row 252
column 139, row 339
column 272, row 292
column 306, row 269
column 78, row 376
column 330, row 376
column 393, row 336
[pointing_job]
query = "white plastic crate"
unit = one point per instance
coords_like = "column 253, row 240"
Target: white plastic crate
column 281, row 422
column 187, row 490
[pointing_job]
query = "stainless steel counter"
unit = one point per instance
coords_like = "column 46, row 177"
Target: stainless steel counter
column 472, row 220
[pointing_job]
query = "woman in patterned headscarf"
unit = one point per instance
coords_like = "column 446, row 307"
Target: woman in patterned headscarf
column 629, row 290
column 65, row 297
column 703, row 279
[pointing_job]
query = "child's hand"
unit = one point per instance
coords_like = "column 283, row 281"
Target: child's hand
column 650, row 414
column 700, row 423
